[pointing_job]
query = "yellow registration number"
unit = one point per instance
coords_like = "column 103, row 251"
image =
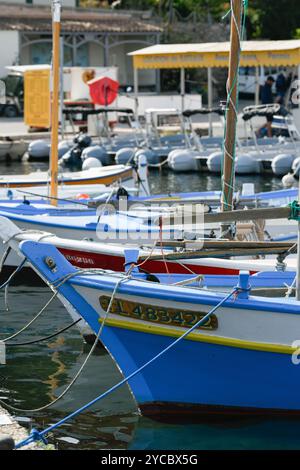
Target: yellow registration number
column 160, row 315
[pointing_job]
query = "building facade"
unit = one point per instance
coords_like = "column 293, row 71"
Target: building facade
column 89, row 37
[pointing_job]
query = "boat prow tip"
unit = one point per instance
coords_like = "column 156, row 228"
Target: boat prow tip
column 47, row 260
column 8, row 229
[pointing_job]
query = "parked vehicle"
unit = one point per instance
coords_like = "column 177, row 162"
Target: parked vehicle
column 14, row 106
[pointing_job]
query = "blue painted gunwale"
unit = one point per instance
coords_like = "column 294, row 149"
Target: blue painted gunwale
column 286, row 238
column 187, row 295
column 277, row 194
column 32, row 209
column 44, row 223
column 152, row 290
column 145, row 288
column 262, row 279
column 266, row 195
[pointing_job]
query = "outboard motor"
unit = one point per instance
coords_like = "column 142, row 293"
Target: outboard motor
column 39, row 150
column 73, row 157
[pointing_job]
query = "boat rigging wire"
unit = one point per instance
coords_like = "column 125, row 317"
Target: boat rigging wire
column 240, row 35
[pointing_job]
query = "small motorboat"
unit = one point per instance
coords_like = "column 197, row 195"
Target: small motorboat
column 104, row 175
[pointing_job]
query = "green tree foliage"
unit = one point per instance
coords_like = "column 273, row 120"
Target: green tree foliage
column 268, row 19
column 184, row 7
column 274, row 19
column 215, row 8
column 123, row 4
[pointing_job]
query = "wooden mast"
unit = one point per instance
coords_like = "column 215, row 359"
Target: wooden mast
column 231, row 115
column 56, row 18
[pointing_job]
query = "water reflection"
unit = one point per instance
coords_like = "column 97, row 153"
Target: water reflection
column 36, row 374
column 265, row 434
column 164, row 181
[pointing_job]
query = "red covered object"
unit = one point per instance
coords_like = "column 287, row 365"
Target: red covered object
column 103, row 90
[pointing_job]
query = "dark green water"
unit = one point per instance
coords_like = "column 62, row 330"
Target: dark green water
column 35, row 375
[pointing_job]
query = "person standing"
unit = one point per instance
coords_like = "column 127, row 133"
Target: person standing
column 266, row 91
column 281, row 87
column 266, row 97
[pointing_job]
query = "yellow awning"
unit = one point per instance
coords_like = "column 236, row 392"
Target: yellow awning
column 216, row 54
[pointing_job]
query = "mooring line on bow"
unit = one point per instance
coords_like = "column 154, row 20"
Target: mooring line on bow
column 6, row 283
column 77, row 375
column 4, row 340
column 45, row 338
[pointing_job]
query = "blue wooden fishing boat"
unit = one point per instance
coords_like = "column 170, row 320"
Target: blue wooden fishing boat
column 239, row 361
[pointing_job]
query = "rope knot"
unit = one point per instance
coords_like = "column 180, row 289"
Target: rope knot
column 239, row 290
column 37, row 436
column 34, row 436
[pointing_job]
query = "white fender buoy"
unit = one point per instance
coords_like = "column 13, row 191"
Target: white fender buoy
column 91, row 162
column 214, row 162
column 63, row 147
column 150, row 155
column 174, row 152
column 282, row 163
column 183, row 160
column 96, row 151
column 247, row 164
column 124, row 155
column 39, row 149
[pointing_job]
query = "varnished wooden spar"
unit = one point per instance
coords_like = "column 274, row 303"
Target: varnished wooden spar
column 243, row 215
column 249, row 214
column 56, row 26
column 215, row 253
column 226, row 244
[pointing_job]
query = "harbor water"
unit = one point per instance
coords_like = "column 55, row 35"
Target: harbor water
column 36, row 374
